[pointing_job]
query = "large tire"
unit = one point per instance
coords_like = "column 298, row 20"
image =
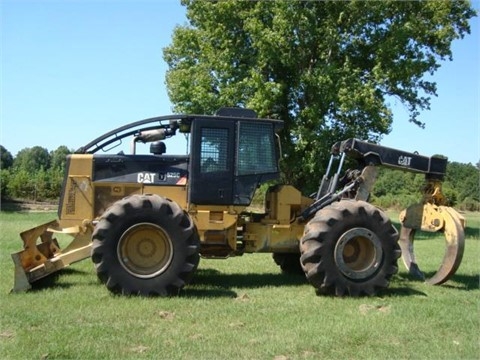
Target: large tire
column 349, row 248
column 289, row 262
column 145, row 245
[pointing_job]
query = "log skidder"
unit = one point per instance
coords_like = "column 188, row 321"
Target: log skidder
column 146, row 218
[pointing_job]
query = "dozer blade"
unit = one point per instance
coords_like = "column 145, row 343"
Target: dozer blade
column 39, row 259
column 431, row 218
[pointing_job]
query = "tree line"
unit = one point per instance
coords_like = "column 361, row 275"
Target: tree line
column 34, row 174
column 399, row 189
column 37, row 174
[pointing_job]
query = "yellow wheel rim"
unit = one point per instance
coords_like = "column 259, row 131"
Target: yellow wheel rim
column 145, row 250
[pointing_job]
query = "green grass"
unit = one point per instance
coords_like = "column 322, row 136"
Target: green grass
column 240, row 308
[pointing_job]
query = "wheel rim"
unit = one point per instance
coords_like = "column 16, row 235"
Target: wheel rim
column 145, row 250
column 358, row 253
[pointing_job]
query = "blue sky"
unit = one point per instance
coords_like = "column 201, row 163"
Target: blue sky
column 73, row 70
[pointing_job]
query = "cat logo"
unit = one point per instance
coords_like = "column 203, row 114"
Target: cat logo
column 146, row 178
column 404, row 160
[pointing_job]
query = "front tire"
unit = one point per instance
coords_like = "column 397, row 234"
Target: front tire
column 145, row 245
column 349, row 248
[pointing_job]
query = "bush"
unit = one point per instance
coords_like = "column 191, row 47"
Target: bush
column 469, row 204
column 21, row 185
column 4, row 180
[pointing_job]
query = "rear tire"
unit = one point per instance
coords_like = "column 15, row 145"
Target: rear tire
column 288, row 262
column 349, row 248
column 145, row 245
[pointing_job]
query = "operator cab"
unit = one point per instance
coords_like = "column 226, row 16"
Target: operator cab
column 232, row 153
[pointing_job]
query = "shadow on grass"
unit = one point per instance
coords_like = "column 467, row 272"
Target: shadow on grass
column 192, row 292
column 472, row 233
column 212, row 277
column 213, row 283
column 401, row 291
column 459, row 281
column 57, row 280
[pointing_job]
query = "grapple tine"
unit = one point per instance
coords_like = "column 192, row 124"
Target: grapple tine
column 407, row 236
column 454, row 246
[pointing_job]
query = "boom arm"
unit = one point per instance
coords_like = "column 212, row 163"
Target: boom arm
column 372, row 154
column 431, row 215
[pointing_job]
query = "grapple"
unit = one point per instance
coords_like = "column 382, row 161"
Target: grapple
column 432, row 216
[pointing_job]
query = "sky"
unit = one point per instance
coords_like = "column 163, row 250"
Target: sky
column 72, row 70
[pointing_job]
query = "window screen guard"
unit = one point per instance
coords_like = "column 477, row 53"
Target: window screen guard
column 256, row 148
column 213, row 152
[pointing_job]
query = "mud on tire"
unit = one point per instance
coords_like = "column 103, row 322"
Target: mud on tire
column 349, row 248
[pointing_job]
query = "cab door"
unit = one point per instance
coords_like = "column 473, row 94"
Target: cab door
column 212, row 166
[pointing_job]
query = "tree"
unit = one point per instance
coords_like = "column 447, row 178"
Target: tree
column 465, row 179
column 328, row 69
column 21, row 184
column 4, row 180
column 32, row 159
column 6, row 158
column 58, row 158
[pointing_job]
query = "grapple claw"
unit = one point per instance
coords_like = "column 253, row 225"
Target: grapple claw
column 432, row 218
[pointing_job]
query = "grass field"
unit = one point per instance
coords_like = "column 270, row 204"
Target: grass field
column 240, row 308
